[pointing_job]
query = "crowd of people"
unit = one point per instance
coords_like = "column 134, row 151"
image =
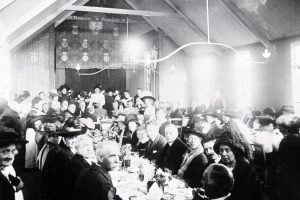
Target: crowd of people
column 221, row 154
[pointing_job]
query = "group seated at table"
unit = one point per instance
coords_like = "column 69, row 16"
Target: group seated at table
column 76, row 141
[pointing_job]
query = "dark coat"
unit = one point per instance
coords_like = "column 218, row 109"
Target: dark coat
column 94, row 183
column 86, row 114
column 62, row 162
column 76, row 165
column 141, row 148
column 155, row 147
column 130, row 138
column 49, row 174
column 194, row 172
column 7, row 192
column 245, row 182
column 171, row 156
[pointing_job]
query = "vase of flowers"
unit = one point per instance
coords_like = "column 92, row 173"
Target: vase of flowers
column 162, row 178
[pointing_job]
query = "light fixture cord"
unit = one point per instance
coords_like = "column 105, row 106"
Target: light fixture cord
column 207, row 21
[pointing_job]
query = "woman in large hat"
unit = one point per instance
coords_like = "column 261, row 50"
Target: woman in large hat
column 70, row 131
column 194, row 160
column 149, row 112
column 10, row 139
column 231, row 148
column 64, row 93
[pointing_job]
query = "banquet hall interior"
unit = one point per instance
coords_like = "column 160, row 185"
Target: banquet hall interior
column 149, row 99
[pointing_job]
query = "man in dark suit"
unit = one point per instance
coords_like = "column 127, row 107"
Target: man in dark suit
column 95, row 183
column 81, row 160
column 172, row 154
column 157, row 142
column 10, row 185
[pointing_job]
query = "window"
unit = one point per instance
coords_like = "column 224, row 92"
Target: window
column 295, row 61
column 243, row 79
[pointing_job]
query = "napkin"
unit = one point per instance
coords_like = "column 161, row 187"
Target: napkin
column 155, row 193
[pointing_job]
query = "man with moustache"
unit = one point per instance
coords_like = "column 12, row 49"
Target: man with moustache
column 211, row 155
column 10, row 138
column 95, row 183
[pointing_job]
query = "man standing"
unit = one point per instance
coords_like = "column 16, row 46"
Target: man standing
column 95, row 183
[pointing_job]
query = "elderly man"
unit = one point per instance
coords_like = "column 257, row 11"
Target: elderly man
column 95, row 183
column 171, row 155
column 157, row 142
column 218, row 182
column 82, row 159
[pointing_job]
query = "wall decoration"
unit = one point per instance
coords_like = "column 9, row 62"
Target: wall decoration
column 106, row 57
column 64, row 56
column 85, row 44
column 75, row 30
column 85, row 56
column 65, row 43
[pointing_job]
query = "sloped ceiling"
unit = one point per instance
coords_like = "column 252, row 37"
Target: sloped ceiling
column 233, row 22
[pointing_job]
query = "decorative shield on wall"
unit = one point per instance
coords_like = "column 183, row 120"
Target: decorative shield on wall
column 64, row 56
column 65, row 43
column 85, row 44
column 85, row 57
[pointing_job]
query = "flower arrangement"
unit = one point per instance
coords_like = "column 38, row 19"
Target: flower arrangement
column 162, row 178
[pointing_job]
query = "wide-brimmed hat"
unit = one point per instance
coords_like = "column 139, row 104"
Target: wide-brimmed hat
column 194, row 132
column 72, row 132
column 232, row 114
column 10, row 136
column 148, row 97
column 37, row 118
column 87, row 122
column 10, row 129
column 64, row 86
column 226, row 138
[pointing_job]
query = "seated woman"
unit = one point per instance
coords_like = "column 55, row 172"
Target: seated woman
column 233, row 155
column 143, row 141
column 194, row 161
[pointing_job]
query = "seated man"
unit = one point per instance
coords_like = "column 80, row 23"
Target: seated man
column 171, row 155
column 218, row 182
column 81, row 160
column 211, row 155
column 99, row 111
column 95, row 183
column 90, row 113
column 143, row 141
column 129, row 109
column 157, row 142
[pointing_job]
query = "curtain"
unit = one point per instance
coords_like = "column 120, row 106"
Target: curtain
column 114, row 79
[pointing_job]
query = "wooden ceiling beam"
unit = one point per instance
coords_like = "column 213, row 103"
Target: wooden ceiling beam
column 147, row 19
column 259, row 34
column 33, row 31
column 120, row 11
column 5, row 3
column 34, row 12
column 188, row 20
column 69, row 13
